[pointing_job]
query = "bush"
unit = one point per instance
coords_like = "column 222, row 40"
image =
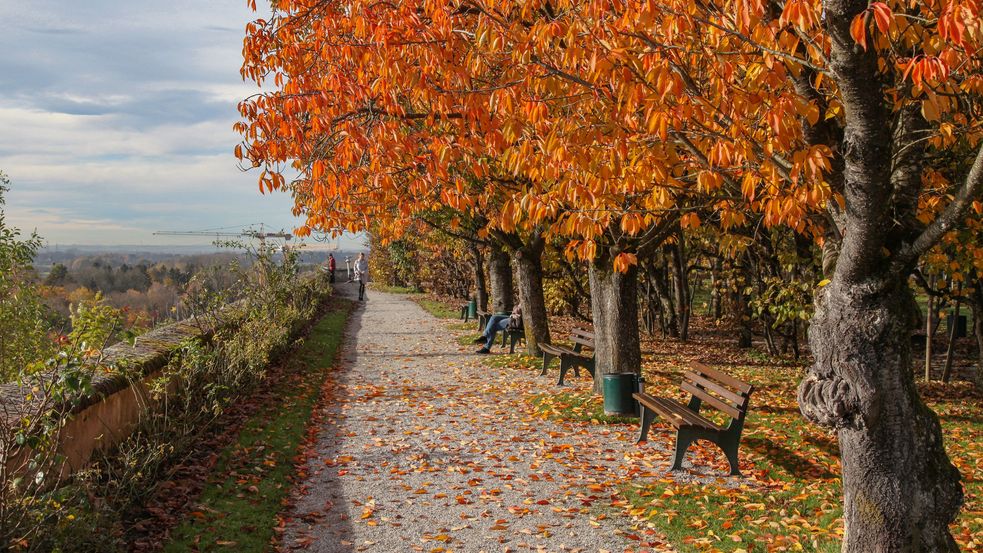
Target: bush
column 245, row 328
column 23, row 329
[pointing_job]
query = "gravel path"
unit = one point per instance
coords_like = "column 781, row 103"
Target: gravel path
column 424, row 447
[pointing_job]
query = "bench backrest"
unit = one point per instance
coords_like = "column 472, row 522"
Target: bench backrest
column 582, row 337
column 721, row 391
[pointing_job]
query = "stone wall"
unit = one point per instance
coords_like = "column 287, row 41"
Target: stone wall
column 120, row 398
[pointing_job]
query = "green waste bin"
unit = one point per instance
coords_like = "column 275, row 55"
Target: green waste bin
column 618, row 388
column 473, row 309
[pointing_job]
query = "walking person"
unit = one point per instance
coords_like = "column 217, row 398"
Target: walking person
column 361, row 274
column 331, row 268
column 498, row 323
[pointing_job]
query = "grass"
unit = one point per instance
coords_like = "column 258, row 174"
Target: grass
column 437, row 308
column 577, row 406
column 238, row 508
column 469, row 339
column 795, row 468
column 707, row 518
column 791, row 499
column 394, row 289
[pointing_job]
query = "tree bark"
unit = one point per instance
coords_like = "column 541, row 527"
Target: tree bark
column 529, row 270
column 500, row 277
column 715, row 308
column 901, row 492
column 928, row 334
column 953, row 333
column 977, row 307
column 614, row 302
column 743, row 304
column 480, row 286
column 657, row 275
column 680, row 282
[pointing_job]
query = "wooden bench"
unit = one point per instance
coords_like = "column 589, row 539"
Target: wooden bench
column 513, row 337
column 482, row 318
column 706, row 386
column 466, row 312
column 571, row 358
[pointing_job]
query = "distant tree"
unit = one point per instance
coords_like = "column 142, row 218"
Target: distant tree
column 57, row 276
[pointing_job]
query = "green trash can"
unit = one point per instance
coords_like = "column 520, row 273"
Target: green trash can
column 618, row 388
column 473, row 309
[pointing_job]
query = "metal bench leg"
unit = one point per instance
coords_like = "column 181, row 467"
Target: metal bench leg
column 683, row 441
column 514, row 340
column 647, row 417
column 564, row 367
column 729, row 447
column 547, row 359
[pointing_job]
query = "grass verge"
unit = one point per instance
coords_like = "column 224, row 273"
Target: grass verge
column 437, row 308
column 581, row 406
column 237, row 509
column 791, row 500
column 394, row 289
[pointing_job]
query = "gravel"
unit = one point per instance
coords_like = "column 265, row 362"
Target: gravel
column 424, row 447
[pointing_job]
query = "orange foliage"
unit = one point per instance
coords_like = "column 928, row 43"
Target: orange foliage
column 605, row 121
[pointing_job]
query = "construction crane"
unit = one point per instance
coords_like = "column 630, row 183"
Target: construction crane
column 218, row 233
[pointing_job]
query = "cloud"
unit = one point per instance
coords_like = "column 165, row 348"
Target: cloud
column 117, row 119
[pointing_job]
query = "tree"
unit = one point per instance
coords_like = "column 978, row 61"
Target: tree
column 378, row 130
column 786, row 108
column 57, row 276
column 24, row 340
column 614, row 125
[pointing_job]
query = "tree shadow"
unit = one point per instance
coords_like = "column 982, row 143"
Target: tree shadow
column 319, row 515
column 788, row 460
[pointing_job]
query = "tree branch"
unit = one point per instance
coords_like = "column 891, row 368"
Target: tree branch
column 949, row 217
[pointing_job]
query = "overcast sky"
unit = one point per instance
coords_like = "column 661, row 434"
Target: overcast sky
column 116, row 120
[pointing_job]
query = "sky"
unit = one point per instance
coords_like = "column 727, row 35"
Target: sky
column 116, row 121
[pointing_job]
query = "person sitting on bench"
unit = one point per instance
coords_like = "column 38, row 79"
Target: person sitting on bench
column 498, row 323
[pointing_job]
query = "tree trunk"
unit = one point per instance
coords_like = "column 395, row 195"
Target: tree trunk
column 614, row 302
column 978, row 328
column 529, row 270
column 900, row 490
column 743, row 305
column 480, row 286
column 657, row 275
column 715, row 302
column 953, row 333
column 500, row 277
column 928, row 333
column 651, row 314
column 680, row 283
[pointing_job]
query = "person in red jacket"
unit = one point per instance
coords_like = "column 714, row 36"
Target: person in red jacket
column 331, row 267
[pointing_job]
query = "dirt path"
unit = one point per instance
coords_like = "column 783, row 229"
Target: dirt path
column 426, row 448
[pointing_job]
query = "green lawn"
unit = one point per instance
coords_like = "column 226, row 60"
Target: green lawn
column 792, row 498
column 438, row 308
column 394, row 289
column 238, row 508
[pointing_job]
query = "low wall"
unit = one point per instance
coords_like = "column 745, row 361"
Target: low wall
column 119, row 400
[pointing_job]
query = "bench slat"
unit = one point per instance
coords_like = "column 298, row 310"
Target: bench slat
column 555, row 350
column 560, row 350
column 676, row 417
column 674, row 412
column 583, row 342
column 712, row 400
column 739, row 385
column 737, row 400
